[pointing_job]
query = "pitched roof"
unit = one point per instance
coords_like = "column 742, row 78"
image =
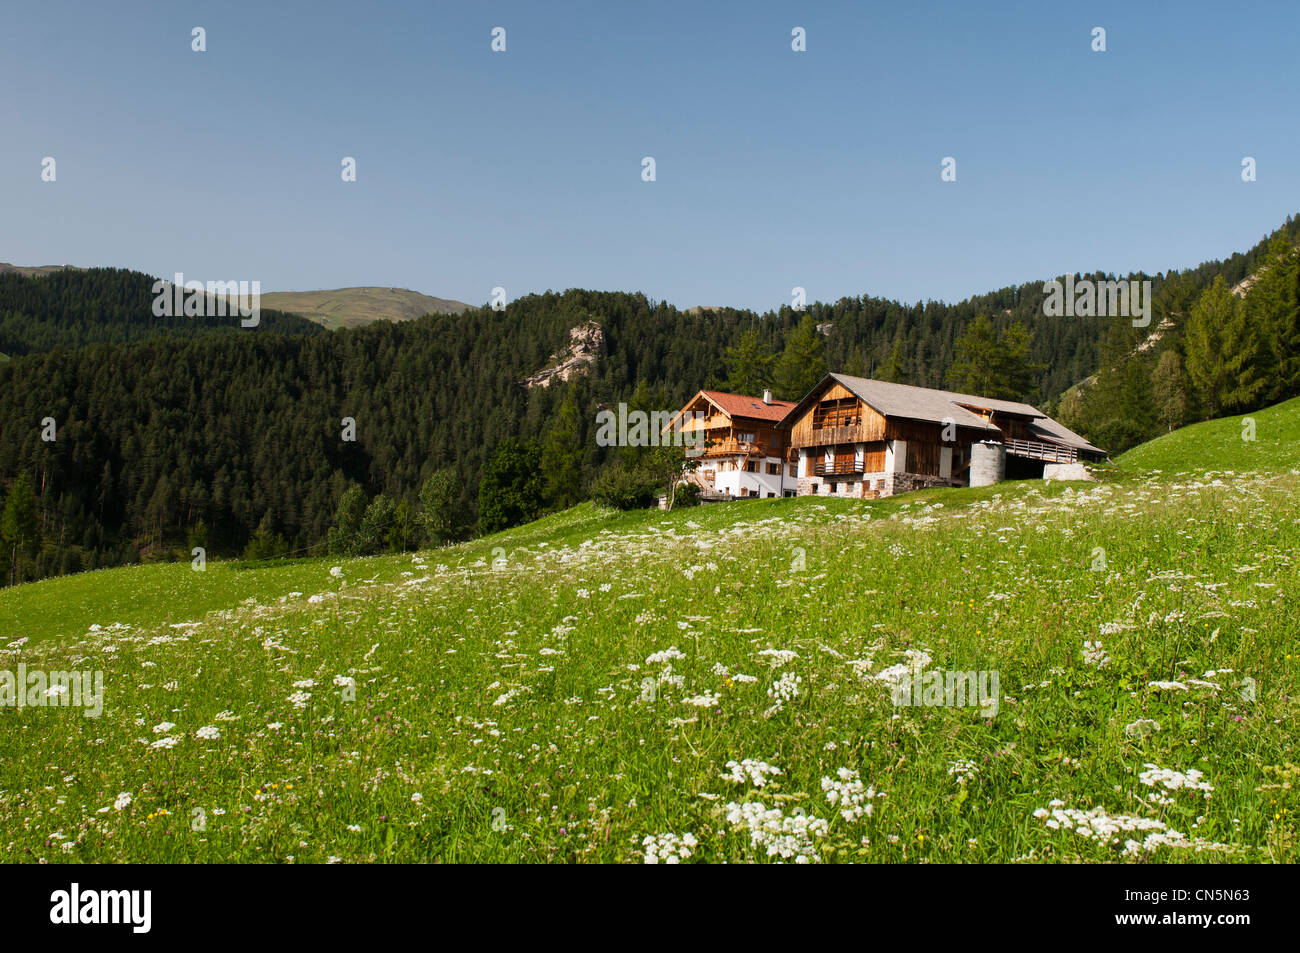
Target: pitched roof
column 941, row 406
column 1049, row 431
column 917, row 403
column 740, row 405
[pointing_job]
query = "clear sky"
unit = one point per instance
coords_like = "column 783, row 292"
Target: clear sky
column 523, row 169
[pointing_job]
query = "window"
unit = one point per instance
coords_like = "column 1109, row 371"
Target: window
column 794, row 469
column 773, row 469
column 751, row 467
column 789, row 493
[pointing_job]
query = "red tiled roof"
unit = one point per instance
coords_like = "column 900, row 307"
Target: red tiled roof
column 740, row 405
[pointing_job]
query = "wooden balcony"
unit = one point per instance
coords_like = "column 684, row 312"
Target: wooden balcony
column 829, row 436
column 730, row 446
column 727, row 446
column 1047, row 452
column 838, row 468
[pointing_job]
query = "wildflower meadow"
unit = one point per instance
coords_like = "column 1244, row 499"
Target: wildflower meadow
column 710, row 684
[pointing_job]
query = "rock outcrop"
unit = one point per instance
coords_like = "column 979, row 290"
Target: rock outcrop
column 586, row 344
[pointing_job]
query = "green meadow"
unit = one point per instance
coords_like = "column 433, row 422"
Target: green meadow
column 711, row 684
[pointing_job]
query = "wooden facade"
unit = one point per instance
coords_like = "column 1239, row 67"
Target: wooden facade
column 864, row 438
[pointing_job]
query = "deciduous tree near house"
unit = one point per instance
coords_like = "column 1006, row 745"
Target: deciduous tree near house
column 1169, row 390
column 440, row 498
column 510, row 492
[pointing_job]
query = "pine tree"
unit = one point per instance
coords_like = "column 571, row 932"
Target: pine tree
column 18, row 527
column 994, row 365
column 895, row 367
column 1273, row 314
column 749, row 367
column 562, row 457
column 1223, row 352
column 802, row 364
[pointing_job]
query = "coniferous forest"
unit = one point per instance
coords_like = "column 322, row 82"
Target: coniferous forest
column 128, row 437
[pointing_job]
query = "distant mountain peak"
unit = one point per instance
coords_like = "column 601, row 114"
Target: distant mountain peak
column 31, row 270
column 355, row 307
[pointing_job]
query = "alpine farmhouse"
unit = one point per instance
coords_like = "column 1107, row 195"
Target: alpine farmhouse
column 742, row 453
column 862, row 438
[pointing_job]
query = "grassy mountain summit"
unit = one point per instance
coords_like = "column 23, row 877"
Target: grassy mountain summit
column 33, row 270
column 356, row 307
column 725, row 672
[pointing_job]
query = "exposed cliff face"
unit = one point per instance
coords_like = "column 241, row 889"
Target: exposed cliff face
column 586, row 344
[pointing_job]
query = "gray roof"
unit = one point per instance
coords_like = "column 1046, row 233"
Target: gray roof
column 941, row 406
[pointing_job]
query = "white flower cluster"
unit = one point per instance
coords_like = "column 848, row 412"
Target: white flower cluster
column 775, row 833
column 1141, row 728
column 1095, row 655
column 668, row 679
column 667, row 655
column 917, row 660
column 962, row 770
column 1174, row 780
column 757, row 772
column 123, row 801
column 300, row 699
column 208, row 733
column 849, row 794
column 1096, row 822
column 778, row 657
column 668, row 848
column 784, row 689
column 1169, row 838
column 706, row 700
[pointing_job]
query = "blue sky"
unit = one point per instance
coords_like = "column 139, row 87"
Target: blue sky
column 523, row 169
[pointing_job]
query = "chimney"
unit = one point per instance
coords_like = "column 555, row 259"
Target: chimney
column 767, row 397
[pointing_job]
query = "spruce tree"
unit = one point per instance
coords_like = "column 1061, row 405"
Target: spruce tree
column 802, row 364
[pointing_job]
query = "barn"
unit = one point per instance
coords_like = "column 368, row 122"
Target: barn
column 865, row 438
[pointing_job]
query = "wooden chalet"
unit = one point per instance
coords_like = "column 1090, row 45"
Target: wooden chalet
column 865, row 438
column 744, row 453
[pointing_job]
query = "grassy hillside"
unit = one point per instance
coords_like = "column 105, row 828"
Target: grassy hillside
column 354, row 307
column 566, row 690
column 1268, row 439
